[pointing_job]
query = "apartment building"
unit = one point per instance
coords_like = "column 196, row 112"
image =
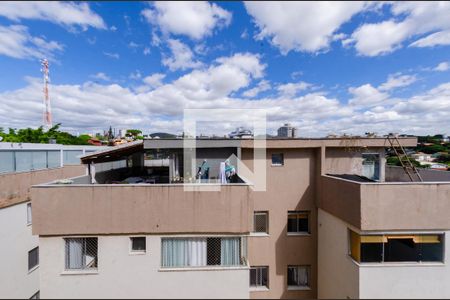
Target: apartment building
column 333, row 222
column 21, row 166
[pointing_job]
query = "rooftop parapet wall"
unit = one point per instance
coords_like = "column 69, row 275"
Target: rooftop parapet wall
column 134, row 209
column 15, row 187
column 387, row 206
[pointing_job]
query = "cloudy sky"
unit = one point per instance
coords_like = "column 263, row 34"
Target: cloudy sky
column 325, row 67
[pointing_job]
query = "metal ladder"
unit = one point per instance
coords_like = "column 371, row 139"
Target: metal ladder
column 407, row 165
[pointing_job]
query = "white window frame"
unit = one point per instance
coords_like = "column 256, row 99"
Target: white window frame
column 260, row 287
column 299, row 287
column 29, row 214
column 299, row 233
column 277, row 165
column 35, row 266
column 82, row 270
column 258, row 233
column 137, row 252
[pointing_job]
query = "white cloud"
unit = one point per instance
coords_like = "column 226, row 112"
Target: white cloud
column 63, row 13
column 366, row 95
column 113, row 28
column 292, row 89
column 101, row 76
column 411, row 19
column 18, row 43
column 135, row 75
column 112, row 55
column 301, row 26
column 216, row 86
column 133, row 45
column 262, row 86
column 146, row 51
column 181, row 58
column 437, row 38
column 443, row 66
column 244, row 34
column 396, row 81
column 193, row 19
column 154, row 80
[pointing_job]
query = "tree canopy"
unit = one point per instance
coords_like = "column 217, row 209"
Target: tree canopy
column 30, row 135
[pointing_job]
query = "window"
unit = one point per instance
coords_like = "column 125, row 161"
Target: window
column 298, row 276
column 7, row 159
column 261, row 222
column 396, row 248
column 259, row 277
column 277, row 159
column 36, row 296
column 371, row 165
column 53, row 159
column 298, row 222
column 201, row 252
column 81, row 253
column 33, row 258
column 29, row 216
column 138, row 244
column 71, row 157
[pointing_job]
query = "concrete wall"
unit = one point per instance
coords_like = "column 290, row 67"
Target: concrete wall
column 123, row 209
column 349, row 161
column 123, row 275
column 405, row 206
column 290, row 187
column 397, row 174
column 15, row 242
column 338, row 275
column 15, row 187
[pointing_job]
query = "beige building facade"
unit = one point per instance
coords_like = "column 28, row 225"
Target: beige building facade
column 293, row 240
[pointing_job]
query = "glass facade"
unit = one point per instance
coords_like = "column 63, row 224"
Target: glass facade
column 28, row 160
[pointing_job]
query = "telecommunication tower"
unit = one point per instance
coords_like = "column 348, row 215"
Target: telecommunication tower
column 47, row 116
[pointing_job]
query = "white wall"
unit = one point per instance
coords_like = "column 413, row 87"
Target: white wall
column 121, row 275
column 15, row 242
column 407, row 281
column 338, row 275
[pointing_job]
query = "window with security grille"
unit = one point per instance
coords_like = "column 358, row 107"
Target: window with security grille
column 81, row 253
column 298, row 276
column 33, row 258
column 298, row 222
column 259, row 277
column 138, row 244
column 202, row 252
column 261, row 222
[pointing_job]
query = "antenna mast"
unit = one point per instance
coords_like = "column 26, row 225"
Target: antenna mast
column 47, row 116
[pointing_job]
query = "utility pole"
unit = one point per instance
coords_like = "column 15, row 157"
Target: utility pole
column 47, row 116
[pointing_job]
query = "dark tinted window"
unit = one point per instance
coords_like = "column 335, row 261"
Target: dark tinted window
column 33, row 258
column 278, row 159
column 401, row 250
column 298, row 222
column 372, row 252
column 138, row 244
column 258, row 276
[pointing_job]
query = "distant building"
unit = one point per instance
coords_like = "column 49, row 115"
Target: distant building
column 287, row 131
column 242, row 133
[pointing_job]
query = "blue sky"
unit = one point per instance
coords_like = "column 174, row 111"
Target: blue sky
column 325, row 67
